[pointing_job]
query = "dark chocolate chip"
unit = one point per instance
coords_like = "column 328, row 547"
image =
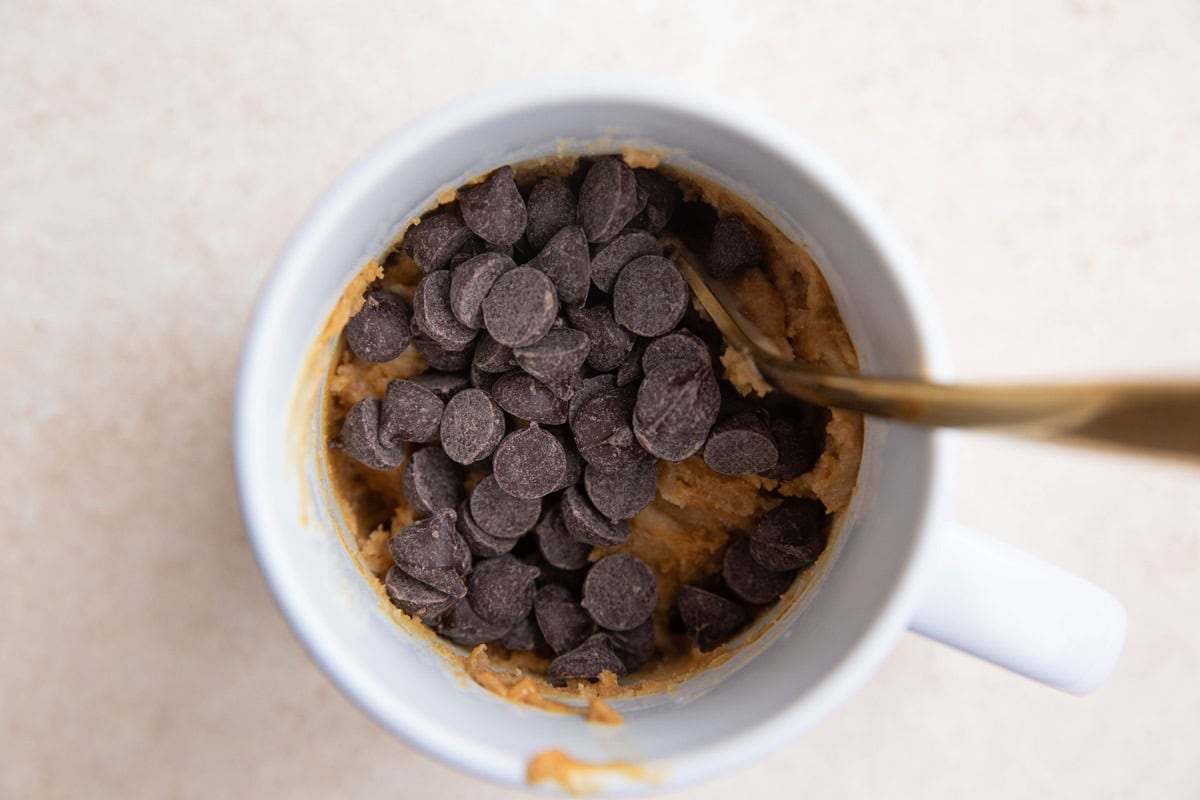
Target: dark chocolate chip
column 741, row 445
column 709, row 619
column 677, row 405
column 479, row 541
column 359, row 437
column 501, row 514
column 563, row 622
column 620, row 592
column 734, row 248
column 521, row 307
column 477, row 246
column 529, row 463
column 608, row 199
column 435, row 240
column 471, row 281
column 409, row 413
column 413, row 597
column 621, row 494
column 610, row 343
column 431, row 543
column 556, row 359
column 494, row 209
column 661, row 196
column 443, row 384
column 649, row 296
column 631, row 370
column 472, row 426
column 522, row 636
column 551, row 207
column 484, row 381
column 565, row 260
column 462, row 625
column 590, row 387
column 612, row 258
column 524, row 396
column 679, row 344
column 635, row 646
column 574, row 471
column 431, row 481
column 557, row 545
column 379, row 331
column 603, row 432
column 491, row 356
column 432, row 314
column 440, row 358
column 750, row 581
column 594, row 656
column 790, row 536
column 501, row 590
column 800, row 437
column 586, row 524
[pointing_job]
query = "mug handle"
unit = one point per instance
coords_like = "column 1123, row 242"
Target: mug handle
column 1006, row 606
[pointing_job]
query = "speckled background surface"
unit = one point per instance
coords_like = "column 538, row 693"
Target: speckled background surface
column 1040, row 157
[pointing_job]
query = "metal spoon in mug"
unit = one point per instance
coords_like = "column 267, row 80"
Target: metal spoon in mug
column 1157, row 418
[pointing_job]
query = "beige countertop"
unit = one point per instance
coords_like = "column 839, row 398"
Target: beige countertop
column 1040, row 156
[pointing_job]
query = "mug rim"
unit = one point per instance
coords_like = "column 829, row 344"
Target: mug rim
column 473, row 110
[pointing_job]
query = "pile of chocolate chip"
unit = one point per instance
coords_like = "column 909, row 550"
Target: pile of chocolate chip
column 559, row 373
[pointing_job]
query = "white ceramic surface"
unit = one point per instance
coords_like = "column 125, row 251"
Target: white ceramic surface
column 890, row 568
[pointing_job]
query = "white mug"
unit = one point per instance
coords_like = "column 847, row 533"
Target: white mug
column 903, row 564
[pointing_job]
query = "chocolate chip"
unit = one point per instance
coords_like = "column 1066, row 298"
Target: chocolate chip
column 741, row 445
column 431, row 543
column 432, row 314
column 440, row 358
column 800, row 437
column 574, row 470
column 522, row 636
column 477, row 246
column 462, row 625
column 590, row 387
column 415, row 598
column 551, row 207
column 608, row 199
column 621, row 494
column 586, row 524
column 677, row 405
column 479, row 541
column 494, row 209
column 679, row 344
column 529, row 463
column 431, row 481
column 359, row 437
column 594, row 656
column 471, row 281
column 409, row 413
column 620, row 592
column 563, row 622
column 612, row 258
column 565, row 260
column 435, row 240
column 609, row 341
column 484, row 381
column 557, row 545
column 709, row 619
column 734, row 248
column 379, row 331
column 661, row 196
column 649, row 296
column 524, row 396
column 790, row 536
column 521, row 307
column 631, row 370
column 501, row 590
column 636, row 646
column 472, row 426
column 603, row 432
column 491, row 356
column 444, row 385
column 556, row 359
column 748, row 580
column 501, row 514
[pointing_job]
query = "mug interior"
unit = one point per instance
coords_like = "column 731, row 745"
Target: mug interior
column 770, row 691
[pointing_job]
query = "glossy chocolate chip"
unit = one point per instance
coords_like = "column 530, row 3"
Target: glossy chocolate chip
column 529, row 463
column 741, row 445
column 501, row 514
column 594, row 656
column 472, row 426
column 415, row 598
column 790, row 536
column 491, row 356
column 603, row 432
column 433, row 316
column 460, row 624
column 734, row 248
column 556, row 544
column 479, row 541
column 585, row 524
column 444, row 385
column 610, row 343
column 379, row 331
column 501, row 590
column 608, row 199
column 435, row 240
column 750, row 581
column 636, row 646
column 439, row 358
column 522, row 636
column 359, row 437
column 800, row 437
column 612, row 257
column 556, row 359
column 566, row 262
column 471, row 281
column 563, row 622
column 494, row 210
column 431, row 543
column 551, row 207
column 709, row 619
column 409, row 413
column 678, row 344
column 589, row 388
column 521, row 307
column 649, row 296
column 676, row 407
column 524, row 396
column 431, row 481
column 620, row 592
column 621, row 494
column 661, row 197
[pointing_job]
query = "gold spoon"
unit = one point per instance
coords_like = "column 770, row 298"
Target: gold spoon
column 1161, row 418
